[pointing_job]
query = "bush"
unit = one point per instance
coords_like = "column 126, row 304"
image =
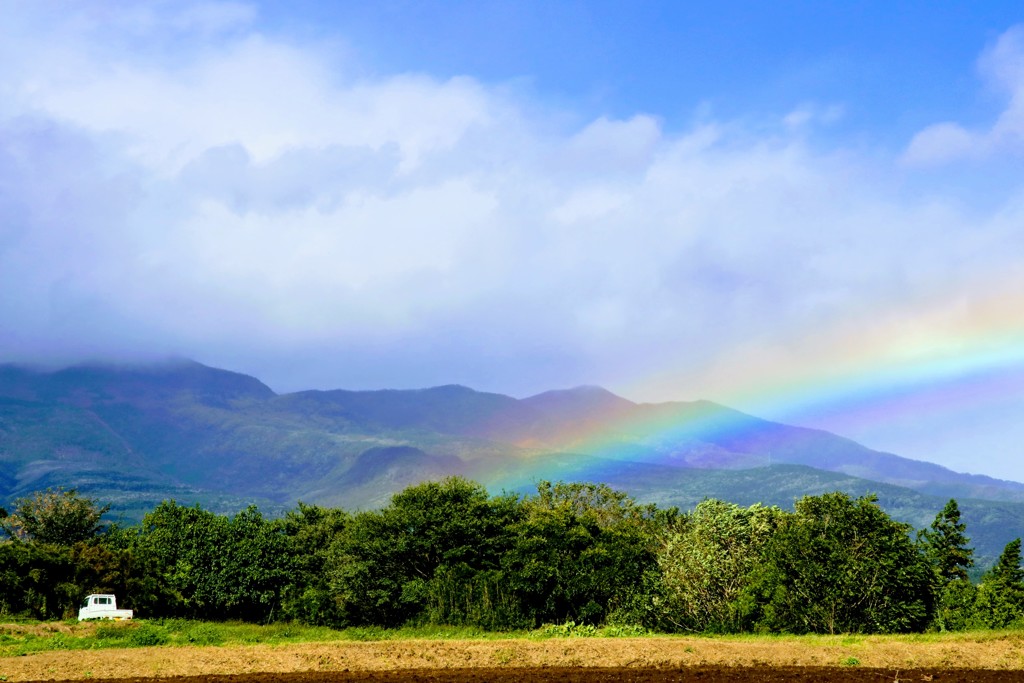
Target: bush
column 624, row 631
column 149, row 635
column 569, row 629
column 954, row 610
column 203, row 634
column 113, row 631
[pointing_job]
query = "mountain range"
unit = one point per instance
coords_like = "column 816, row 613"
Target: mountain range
column 135, row 435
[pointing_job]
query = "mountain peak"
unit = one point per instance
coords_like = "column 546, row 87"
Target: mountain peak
column 452, row 389
column 578, row 402
column 158, row 378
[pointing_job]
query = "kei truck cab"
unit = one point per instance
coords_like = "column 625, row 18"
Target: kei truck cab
column 102, row 606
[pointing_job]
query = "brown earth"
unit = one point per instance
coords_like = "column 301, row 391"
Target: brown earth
column 702, row 674
column 575, row 660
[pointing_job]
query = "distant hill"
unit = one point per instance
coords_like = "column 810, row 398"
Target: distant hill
column 135, row 435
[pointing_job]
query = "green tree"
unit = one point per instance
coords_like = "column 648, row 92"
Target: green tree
column 37, row 580
column 1007, row 569
column 182, row 546
column 580, row 552
column 56, row 516
column 955, row 606
column 946, row 546
column 384, row 568
column 125, row 565
column 1000, row 600
column 706, row 564
column 101, row 568
column 255, row 565
column 311, row 531
column 839, row 565
column 215, row 567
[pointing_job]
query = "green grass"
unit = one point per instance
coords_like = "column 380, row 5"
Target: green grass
column 28, row 637
column 25, row 637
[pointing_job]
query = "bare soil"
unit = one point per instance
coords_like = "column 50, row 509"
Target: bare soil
column 574, row 660
column 703, row 674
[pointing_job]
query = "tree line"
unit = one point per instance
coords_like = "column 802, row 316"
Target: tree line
column 450, row 553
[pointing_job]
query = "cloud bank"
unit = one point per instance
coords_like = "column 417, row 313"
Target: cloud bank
column 1002, row 68
column 266, row 205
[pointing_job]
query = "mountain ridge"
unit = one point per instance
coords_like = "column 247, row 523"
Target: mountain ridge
column 189, row 431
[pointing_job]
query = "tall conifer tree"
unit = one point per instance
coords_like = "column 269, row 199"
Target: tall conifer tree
column 946, row 546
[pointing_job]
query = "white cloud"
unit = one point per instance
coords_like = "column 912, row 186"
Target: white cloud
column 807, row 114
column 1001, row 67
column 298, row 198
column 215, row 17
column 944, row 142
column 250, row 200
column 266, row 96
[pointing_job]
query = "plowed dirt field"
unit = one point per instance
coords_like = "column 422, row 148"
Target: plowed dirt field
column 982, row 659
column 702, row 674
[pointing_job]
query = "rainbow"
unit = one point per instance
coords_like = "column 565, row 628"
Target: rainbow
column 947, row 364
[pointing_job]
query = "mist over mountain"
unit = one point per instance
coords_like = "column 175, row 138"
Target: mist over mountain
column 135, row 435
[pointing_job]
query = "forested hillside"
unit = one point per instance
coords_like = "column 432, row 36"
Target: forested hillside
column 138, row 435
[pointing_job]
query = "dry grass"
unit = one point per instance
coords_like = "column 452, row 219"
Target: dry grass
column 969, row 651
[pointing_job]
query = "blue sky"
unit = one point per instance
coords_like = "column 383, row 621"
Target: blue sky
column 810, row 211
column 895, row 66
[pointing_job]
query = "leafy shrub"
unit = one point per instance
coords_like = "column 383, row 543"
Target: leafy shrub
column 569, row 629
column 624, row 631
column 365, row 633
column 203, row 634
column 955, row 607
column 59, row 642
column 149, row 635
column 113, row 631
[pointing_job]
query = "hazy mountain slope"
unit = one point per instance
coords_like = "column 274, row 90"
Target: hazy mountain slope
column 117, row 431
column 568, row 415
column 452, row 409
column 378, row 473
column 702, row 434
column 136, row 434
column 824, row 450
column 212, row 428
column 46, row 445
column 91, row 384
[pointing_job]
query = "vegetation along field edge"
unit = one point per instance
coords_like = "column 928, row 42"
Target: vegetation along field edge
column 573, row 556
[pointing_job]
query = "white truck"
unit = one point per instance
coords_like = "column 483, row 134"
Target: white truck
column 102, row 606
